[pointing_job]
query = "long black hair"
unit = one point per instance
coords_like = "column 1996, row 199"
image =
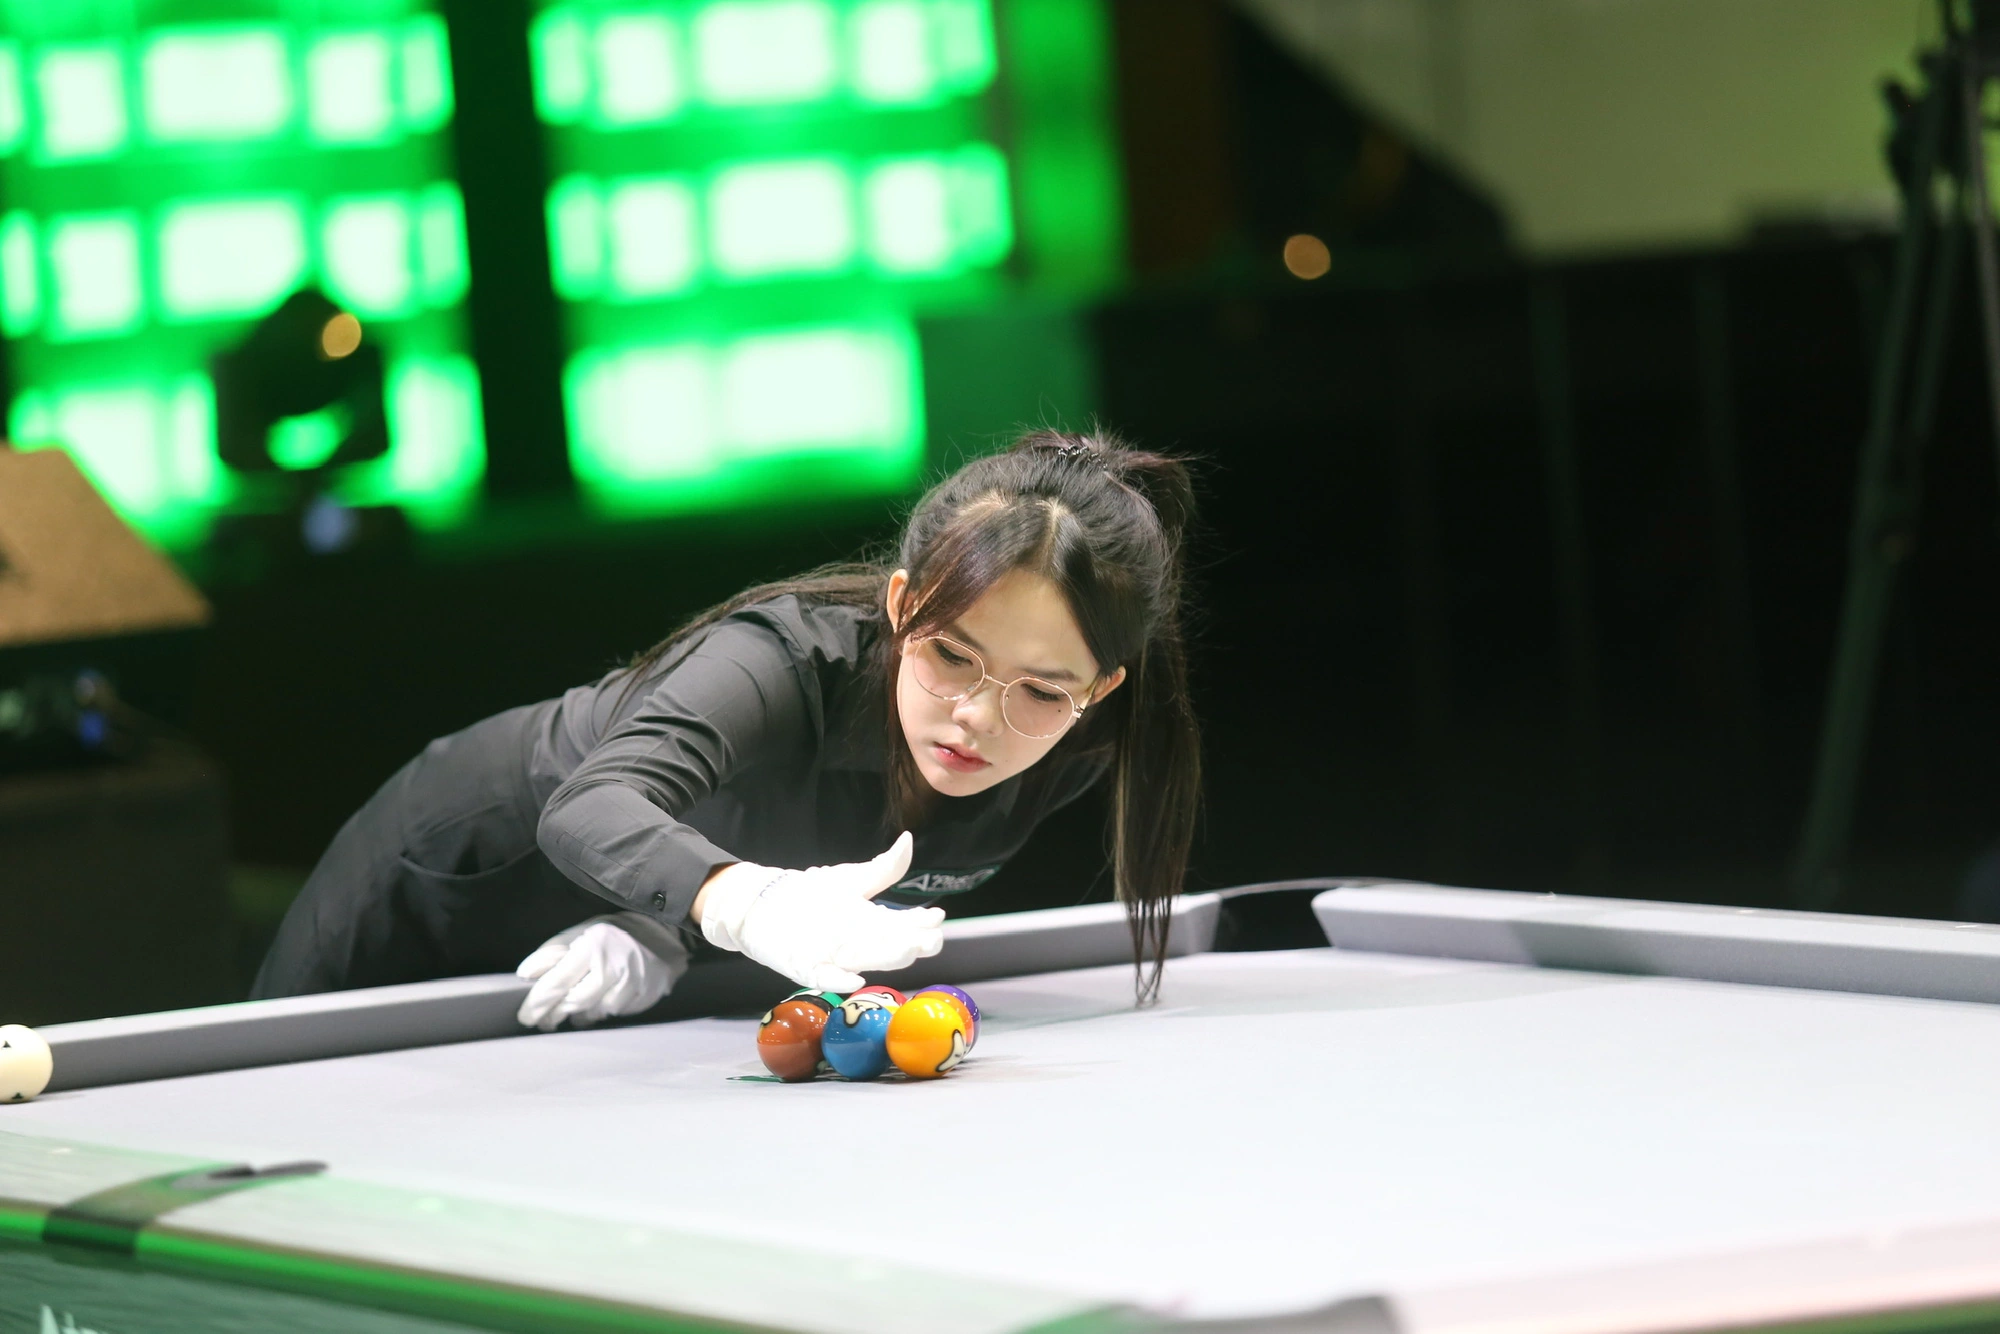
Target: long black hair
column 1105, row 523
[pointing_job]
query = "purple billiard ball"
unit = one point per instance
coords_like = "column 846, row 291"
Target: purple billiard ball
column 855, row 1041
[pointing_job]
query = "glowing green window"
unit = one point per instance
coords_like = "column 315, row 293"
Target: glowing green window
column 909, row 216
column 893, row 59
column 982, row 213
column 365, row 244
column 441, row 243
column 697, row 420
column 938, row 214
column 559, row 44
column 651, row 227
column 963, row 33
column 20, row 276
column 639, row 79
column 764, row 51
column 437, row 439
column 13, row 110
column 115, row 437
column 782, row 217
column 576, row 238
column 81, row 93
column 145, row 446
column 215, row 83
column 94, row 267
column 229, row 258
column 425, row 63
column 640, row 415
column 818, row 389
column 350, row 98
column 190, row 468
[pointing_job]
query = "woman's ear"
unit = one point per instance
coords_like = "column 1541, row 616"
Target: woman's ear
column 892, row 600
column 1107, row 685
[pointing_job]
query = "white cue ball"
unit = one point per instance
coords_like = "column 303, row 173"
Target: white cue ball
column 25, row 1063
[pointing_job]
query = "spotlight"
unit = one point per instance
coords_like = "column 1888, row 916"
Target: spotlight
column 298, row 402
column 306, row 356
column 339, row 337
column 1307, row 257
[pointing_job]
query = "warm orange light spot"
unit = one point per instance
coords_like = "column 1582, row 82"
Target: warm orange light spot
column 339, row 337
column 1307, row 257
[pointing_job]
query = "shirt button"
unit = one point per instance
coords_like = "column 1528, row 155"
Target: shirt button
column 660, row 901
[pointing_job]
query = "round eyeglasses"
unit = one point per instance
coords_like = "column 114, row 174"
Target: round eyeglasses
column 1033, row 707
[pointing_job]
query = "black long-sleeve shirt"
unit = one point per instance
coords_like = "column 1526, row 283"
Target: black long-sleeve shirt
column 764, row 742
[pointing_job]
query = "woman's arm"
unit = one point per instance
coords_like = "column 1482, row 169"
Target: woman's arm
column 733, row 704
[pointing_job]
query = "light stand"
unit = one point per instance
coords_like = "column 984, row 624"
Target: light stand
column 1937, row 144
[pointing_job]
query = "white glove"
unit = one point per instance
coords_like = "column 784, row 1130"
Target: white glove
column 597, row 969
column 818, row 927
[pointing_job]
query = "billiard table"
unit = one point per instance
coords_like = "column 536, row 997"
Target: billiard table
column 1453, row 1110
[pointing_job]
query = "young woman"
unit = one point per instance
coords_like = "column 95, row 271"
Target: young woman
column 740, row 778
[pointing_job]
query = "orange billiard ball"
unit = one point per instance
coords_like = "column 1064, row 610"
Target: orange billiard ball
column 967, row 1006
column 927, row 1037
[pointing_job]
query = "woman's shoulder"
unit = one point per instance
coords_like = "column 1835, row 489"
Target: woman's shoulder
column 819, row 634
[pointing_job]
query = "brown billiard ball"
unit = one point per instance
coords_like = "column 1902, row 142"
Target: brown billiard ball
column 788, row 1038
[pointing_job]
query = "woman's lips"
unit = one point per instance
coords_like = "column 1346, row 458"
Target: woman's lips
column 958, row 761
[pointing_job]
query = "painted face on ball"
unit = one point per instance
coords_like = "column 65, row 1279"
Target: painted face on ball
column 958, row 1050
column 854, row 1007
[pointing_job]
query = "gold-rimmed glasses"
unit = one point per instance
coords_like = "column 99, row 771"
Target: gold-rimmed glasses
column 1035, row 708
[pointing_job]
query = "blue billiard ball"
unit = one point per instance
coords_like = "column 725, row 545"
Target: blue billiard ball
column 855, row 1042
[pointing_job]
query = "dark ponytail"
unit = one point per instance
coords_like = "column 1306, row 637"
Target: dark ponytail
column 1106, row 524
column 1156, row 777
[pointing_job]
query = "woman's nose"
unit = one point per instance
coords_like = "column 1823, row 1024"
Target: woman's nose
column 980, row 711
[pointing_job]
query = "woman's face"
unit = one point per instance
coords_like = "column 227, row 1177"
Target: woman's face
column 1021, row 627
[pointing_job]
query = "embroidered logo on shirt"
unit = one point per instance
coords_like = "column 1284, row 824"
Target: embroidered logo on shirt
column 947, row 882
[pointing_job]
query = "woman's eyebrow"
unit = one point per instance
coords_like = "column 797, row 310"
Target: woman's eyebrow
column 1058, row 674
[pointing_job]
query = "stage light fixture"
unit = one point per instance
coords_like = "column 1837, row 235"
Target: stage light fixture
column 304, row 358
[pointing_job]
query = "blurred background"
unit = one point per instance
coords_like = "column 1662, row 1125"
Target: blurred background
column 441, row 353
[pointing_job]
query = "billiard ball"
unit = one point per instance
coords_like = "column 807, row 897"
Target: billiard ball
column 855, row 1042
column 826, row 1000
column 927, row 1037
column 971, row 1012
column 879, row 990
column 25, row 1063
column 788, row 1037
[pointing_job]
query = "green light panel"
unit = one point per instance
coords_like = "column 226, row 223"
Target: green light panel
column 754, row 200
column 94, row 264
column 80, row 93
column 229, row 258
column 170, row 180
column 215, row 83
column 675, row 425
column 620, row 65
column 917, row 216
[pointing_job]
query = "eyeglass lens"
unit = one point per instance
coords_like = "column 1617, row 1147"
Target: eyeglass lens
column 952, row 671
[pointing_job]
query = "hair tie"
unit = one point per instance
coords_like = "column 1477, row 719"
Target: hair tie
column 1069, row 450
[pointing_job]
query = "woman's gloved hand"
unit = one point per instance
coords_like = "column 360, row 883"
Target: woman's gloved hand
column 597, row 969
column 819, row 927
